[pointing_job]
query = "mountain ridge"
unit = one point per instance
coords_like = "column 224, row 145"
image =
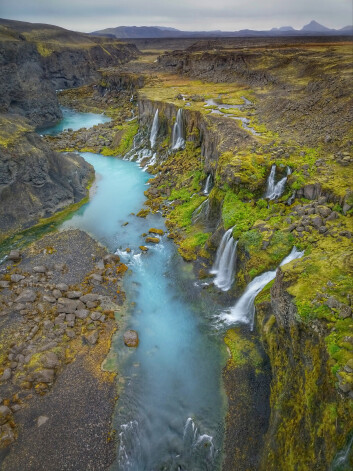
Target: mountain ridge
column 137, row 32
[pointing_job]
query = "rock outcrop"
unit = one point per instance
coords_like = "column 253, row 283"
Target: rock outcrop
column 36, row 60
column 36, row 182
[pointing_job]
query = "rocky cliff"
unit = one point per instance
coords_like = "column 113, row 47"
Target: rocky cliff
column 35, row 182
column 37, row 60
column 304, row 318
column 310, row 416
column 24, row 87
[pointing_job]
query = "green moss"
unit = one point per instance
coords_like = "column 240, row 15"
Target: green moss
column 191, row 245
column 129, row 132
column 243, row 350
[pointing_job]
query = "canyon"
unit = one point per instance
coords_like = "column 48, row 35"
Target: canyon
column 235, row 164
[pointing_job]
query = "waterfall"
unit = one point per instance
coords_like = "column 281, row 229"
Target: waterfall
column 178, row 140
column 224, row 265
column 154, row 130
column 208, row 184
column 244, row 309
column 275, row 190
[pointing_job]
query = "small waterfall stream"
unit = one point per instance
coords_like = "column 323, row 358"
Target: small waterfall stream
column 244, row 309
column 208, row 184
column 343, row 460
column 154, row 130
column 224, row 265
column 178, row 140
column 275, row 190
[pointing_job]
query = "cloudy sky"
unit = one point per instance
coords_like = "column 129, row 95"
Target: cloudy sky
column 228, row 15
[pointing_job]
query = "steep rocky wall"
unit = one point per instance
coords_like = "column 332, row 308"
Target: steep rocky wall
column 219, row 67
column 213, row 134
column 32, row 71
column 310, row 417
column 74, row 67
column 24, row 87
column 36, row 182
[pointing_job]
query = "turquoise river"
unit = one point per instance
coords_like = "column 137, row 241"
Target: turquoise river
column 171, row 406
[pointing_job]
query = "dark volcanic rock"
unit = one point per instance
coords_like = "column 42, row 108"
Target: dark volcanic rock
column 24, row 89
column 35, row 182
column 45, row 58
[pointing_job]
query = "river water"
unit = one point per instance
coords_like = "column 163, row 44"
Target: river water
column 171, row 406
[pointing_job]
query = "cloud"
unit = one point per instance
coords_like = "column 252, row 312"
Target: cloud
column 88, row 15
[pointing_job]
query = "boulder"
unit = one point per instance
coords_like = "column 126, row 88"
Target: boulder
column 27, row 296
column 74, row 294
column 40, row 269
column 62, row 287
column 82, row 313
column 332, row 303
column 316, row 222
column 44, row 376
column 50, row 360
column 5, row 414
column 156, row 231
column 131, row 338
column 6, row 374
column 324, row 211
column 16, row 278
column 69, row 306
column 345, row 311
column 49, row 299
column 153, row 240
column 97, row 277
column 332, row 216
column 95, row 315
column 90, row 297
column 93, row 337
column 14, row 255
column 4, row 284
column 7, row 435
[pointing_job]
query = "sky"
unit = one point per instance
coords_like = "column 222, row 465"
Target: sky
column 192, row 15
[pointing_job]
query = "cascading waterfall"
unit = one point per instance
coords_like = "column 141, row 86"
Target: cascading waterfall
column 244, row 309
column 154, row 130
column 275, row 190
column 178, row 140
column 208, row 184
column 224, row 265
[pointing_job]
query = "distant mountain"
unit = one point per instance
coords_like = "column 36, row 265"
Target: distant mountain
column 136, row 32
column 283, row 28
column 347, row 29
column 315, row 27
column 149, row 32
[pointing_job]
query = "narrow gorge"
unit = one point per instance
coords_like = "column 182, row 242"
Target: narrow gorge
column 176, row 248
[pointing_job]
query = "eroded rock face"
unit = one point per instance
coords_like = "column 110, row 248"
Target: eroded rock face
column 131, row 338
column 35, row 182
column 31, row 72
column 24, row 89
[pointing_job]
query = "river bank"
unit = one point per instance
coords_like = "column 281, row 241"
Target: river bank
column 57, row 320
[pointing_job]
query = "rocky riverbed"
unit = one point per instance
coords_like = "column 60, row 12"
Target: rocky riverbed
column 59, row 302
